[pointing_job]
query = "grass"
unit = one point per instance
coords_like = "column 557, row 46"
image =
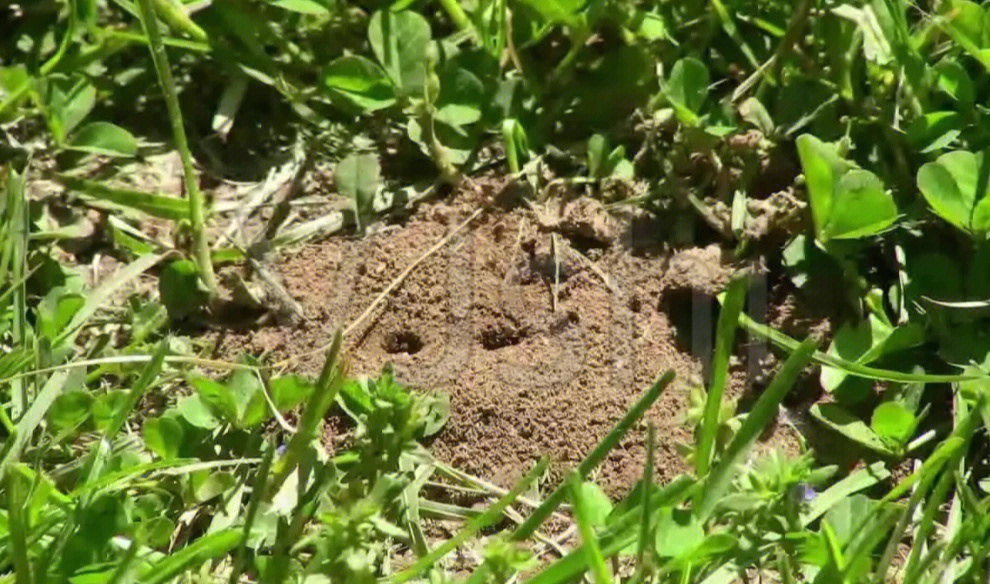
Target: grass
column 129, row 456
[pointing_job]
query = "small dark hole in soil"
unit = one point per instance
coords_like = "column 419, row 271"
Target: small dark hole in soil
column 692, row 315
column 403, row 342
column 499, row 336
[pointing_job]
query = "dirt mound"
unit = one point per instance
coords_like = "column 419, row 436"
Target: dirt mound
column 476, row 321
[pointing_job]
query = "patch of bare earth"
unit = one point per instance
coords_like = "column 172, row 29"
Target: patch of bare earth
column 476, row 321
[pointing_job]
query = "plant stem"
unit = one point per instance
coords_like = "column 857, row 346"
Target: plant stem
column 197, row 212
column 456, row 13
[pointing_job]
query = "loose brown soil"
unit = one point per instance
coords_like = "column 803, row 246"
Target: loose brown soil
column 476, row 321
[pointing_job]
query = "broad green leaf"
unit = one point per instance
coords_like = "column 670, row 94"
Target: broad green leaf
column 68, row 104
column 955, row 81
column 861, row 207
column 876, row 48
column 846, row 202
column 14, row 84
column 357, row 178
column 252, row 408
column 597, row 503
column 557, row 11
column 56, row 310
column 687, row 88
column 163, row 436
column 196, row 413
column 400, row 41
column 302, row 6
column 461, row 98
column 217, row 397
column 894, row 422
column 845, row 423
column 179, row 288
column 865, row 343
column 71, row 409
column 935, row 130
column 359, row 82
column 103, row 138
column 207, row 484
column 289, row 391
column 848, row 514
column 955, row 186
column 678, row 533
column 108, row 406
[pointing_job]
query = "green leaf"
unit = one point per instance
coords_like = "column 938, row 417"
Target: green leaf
column 865, row 343
column 861, row 207
column 846, row 202
column 217, row 397
column 935, row 130
column 359, row 82
column 955, row 186
column 163, row 436
column 302, row 6
column 461, row 97
column 678, row 533
column 179, row 288
column 70, row 410
column 154, row 204
column 400, row 41
column 207, row 484
column 56, row 310
column 198, row 552
column 597, row 503
column 557, row 11
column 357, row 179
column 107, row 406
column 249, row 397
column 103, row 138
column 289, row 391
column 954, row 81
column 845, row 423
column 893, row 421
column 687, row 88
column 196, row 413
column 848, row 514
column 68, row 104
column 876, row 48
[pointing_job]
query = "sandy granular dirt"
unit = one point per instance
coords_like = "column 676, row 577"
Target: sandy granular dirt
column 476, row 321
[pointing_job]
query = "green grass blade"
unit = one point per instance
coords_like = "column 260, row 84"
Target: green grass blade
column 643, row 556
column 725, row 338
column 327, row 386
column 927, row 475
column 197, row 205
column 857, row 481
column 582, row 516
column 490, row 516
column 206, row 548
column 122, row 571
column 533, row 522
column 33, row 416
column 152, row 204
column 258, row 490
column 620, row 534
column 148, row 375
column 757, row 419
column 16, row 499
column 785, row 342
column 15, row 262
column 102, row 294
